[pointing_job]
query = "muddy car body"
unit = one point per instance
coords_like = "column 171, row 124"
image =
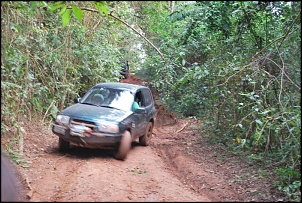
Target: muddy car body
column 105, row 118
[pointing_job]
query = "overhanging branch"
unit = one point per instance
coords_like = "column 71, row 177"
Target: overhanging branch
column 125, row 23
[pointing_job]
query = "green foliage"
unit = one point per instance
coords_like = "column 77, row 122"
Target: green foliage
column 232, row 65
column 16, row 157
column 67, row 10
column 292, row 189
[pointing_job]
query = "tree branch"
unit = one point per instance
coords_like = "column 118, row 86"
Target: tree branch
column 289, row 28
column 125, row 23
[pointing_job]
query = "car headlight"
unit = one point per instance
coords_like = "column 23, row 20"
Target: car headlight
column 108, row 127
column 64, row 120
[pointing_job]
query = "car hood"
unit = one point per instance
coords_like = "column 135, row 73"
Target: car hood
column 95, row 113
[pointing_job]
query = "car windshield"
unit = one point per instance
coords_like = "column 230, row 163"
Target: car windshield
column 107, row 97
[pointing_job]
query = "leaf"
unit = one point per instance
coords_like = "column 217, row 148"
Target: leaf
column 66, row 17
column 63, row 10
column 259, row 122
column 101, row 7
column 54, row 7
column 54, row 111
column 238, row 10
column 238, row 140
column 265, row 112
column 78, row 13
column 33, row 6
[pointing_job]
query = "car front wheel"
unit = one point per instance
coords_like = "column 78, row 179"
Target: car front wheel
column 124, row 146
column 63, row 145
column 145, row 139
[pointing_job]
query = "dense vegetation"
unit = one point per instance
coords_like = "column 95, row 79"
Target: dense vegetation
column 234, row 65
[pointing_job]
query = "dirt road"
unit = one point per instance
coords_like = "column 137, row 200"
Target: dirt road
column 158, row 172
column 177, row 166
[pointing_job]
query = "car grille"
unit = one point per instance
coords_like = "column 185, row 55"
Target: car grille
column 85, row 123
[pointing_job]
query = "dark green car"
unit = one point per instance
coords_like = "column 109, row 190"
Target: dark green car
column 110, row 115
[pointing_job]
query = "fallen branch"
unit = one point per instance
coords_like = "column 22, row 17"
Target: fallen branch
column 182, row 128
column 30, row 193
column 47, row 110
column 27, row 181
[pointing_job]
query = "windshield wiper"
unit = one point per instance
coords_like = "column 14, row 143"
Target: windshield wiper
column 90, row 104
column 109, row 106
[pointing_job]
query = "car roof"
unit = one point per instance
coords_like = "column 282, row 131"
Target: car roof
column 120, row 85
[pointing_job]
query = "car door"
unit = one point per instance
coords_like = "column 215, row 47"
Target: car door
column 139, row 118
column 148, row 104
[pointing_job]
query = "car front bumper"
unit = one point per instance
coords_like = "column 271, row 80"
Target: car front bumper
column 87, row 139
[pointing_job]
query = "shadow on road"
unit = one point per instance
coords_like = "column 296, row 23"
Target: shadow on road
column 84, row 153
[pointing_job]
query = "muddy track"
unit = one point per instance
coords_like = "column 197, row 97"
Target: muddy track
column 95, row 175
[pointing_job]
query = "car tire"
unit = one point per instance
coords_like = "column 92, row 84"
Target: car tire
column 145, row 139
column 63, row 145
column 124, row 147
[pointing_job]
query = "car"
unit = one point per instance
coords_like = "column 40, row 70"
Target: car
column 106, row 117
column 125, row 70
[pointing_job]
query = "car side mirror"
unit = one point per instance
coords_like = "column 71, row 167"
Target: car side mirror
column 76, row 100
column 140, row 110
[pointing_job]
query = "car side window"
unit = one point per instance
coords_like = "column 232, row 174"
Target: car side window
column 147, row 97
column 139, row 99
